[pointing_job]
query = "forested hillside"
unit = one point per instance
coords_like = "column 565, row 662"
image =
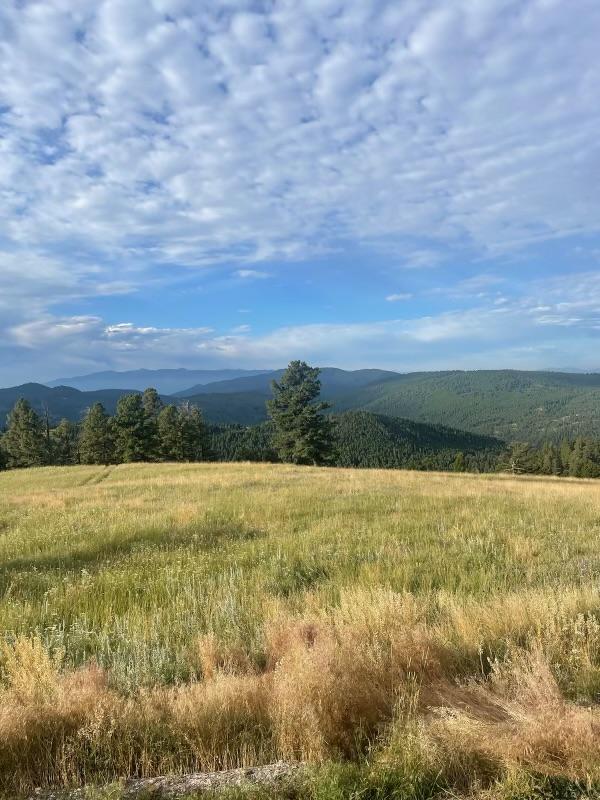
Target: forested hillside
column 508, row 404
column 371, row 440
column 529, row 406
column 244, row 408
column 363, row 439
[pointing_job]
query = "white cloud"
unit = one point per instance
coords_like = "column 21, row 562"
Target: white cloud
column 252, row 274
column 56, row 331
column 395, row 298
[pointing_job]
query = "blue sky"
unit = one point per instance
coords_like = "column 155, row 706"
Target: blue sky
column 409, row 185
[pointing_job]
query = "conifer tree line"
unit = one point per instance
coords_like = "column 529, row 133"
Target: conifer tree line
column 574, row 458
column 142, row 429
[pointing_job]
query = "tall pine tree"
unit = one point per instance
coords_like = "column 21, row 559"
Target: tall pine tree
column 133, row 439
column 25, row 442
column 194, row 438
column 96, row 444
column 152, row 408
column 64, row 443
column 302, row 434
column 169, row 433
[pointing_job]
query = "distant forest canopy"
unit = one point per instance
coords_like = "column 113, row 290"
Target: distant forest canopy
column 510, row 405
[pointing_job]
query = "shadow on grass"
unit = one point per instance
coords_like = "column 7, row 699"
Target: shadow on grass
column 203, row 536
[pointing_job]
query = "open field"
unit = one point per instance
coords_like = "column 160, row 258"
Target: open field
column 432, row 632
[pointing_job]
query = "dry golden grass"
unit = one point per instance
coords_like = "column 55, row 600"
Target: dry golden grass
column 181, row 618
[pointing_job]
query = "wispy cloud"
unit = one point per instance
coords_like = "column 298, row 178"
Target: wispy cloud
column 396, row 298
column 252, row 274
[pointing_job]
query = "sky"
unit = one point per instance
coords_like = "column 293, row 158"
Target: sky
column 358, row 183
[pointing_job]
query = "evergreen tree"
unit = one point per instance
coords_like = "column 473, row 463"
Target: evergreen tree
column 576, row 460
column 25, row 441
column 590, row 467
column 96, row 445
column 133, row 437
column 549, row 459
column 152, row 407
column 152, row 403
column 169, row 433
column 194, row 438
column 565, row 456
column 303, row 435
column 64, row 443
column 182, row 433
column 45, row 419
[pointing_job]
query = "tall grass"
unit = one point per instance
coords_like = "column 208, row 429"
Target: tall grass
column 180, row 618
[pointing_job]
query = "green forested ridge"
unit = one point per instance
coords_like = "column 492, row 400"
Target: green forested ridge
column 244, row 408
column 242, row 442
column 371, row 440
column 512, row 405
column 61, row 402
column 144, row 429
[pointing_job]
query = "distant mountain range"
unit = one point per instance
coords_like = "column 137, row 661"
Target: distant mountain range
column 165, row 381
column 333, row 382
column 508, row 404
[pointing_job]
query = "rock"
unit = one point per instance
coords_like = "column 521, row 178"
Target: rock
column 176, row 785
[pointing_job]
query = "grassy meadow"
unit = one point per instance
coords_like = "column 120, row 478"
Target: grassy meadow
column 409, row 634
